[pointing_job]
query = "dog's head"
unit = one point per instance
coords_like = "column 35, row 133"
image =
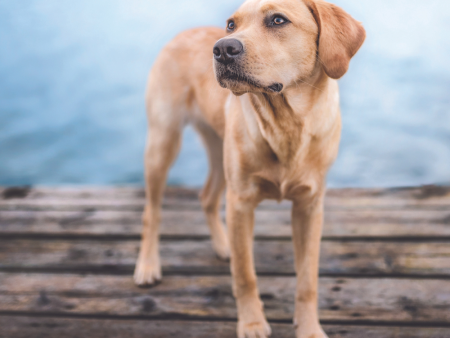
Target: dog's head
column 274, row 44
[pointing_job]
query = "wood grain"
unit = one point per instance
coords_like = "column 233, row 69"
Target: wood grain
column 428, row 192
column 271, row 257
column 44, row 327
column 391, row 300
column 434, row 197
column 67, row 255
column 269, row 223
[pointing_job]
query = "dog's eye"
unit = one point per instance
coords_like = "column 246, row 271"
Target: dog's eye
column 231, row 25
column 278, row 20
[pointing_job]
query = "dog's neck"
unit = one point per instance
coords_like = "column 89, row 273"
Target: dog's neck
column 281, row 118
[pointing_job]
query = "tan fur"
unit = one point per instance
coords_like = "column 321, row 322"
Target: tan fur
column 264, row 145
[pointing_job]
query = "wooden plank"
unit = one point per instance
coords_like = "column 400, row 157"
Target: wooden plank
column 130, row 192
column 26, row 327
column 273, row 223
column 190, row 257
column 132, row 199
column 416, row 302
column 344, row 204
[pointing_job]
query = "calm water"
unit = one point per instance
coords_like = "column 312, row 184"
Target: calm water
column 72, row 78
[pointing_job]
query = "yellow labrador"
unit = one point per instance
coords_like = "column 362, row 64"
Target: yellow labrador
column 263, row 96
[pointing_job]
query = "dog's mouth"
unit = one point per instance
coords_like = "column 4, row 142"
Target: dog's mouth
column 276, row 87
column 228, row 78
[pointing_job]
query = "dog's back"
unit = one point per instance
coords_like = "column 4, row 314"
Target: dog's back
column 182, row 85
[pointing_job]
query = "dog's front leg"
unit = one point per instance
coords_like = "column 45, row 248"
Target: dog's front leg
column 240, row 221
column 307, row 219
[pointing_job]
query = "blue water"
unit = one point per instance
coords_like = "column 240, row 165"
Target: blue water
column 73, row 73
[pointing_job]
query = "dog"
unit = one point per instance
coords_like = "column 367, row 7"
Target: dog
column 264, row 98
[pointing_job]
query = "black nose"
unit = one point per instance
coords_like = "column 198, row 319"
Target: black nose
column 227, row 50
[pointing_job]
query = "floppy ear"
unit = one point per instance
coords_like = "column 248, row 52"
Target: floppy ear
column 340, row 36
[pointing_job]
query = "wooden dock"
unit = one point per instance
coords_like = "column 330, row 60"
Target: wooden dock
column 67, row 257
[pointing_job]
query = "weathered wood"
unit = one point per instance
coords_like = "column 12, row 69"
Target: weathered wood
column 80, row 205
column 132, row 199
column 368, row 232
column 271, row 257
column 389, row 300
column 27, row 327
column 90, row 192
column 269, row 223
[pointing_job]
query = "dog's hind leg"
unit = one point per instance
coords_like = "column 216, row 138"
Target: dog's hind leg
column 213, row 189
column 163, row 144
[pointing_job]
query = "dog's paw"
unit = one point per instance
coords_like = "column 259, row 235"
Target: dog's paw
column 147, row 274
column 319, row 334
column 252, row 322
column 254, row 329
column 306, row 321
column 310, row 332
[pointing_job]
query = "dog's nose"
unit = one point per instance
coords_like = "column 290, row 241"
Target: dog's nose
column 227, row 50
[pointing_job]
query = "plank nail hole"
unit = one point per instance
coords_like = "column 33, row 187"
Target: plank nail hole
column 351, row 255
column 148, row 305
column 267, row 296
column 76, row 254
column 43, row 299
column 388, row 261
column 217, row 294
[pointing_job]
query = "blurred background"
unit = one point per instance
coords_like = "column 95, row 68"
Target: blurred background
column 73, row 74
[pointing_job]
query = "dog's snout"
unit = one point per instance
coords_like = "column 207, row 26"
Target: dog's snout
column 227, row 50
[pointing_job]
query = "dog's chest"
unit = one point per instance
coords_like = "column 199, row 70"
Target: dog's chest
column 284, row 154
column 278, row 182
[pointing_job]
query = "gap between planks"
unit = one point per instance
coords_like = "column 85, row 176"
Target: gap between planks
column 201, row 238
column 224, row 320
column 25, row 327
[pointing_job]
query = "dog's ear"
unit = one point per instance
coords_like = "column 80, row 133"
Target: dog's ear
column 340, row 36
